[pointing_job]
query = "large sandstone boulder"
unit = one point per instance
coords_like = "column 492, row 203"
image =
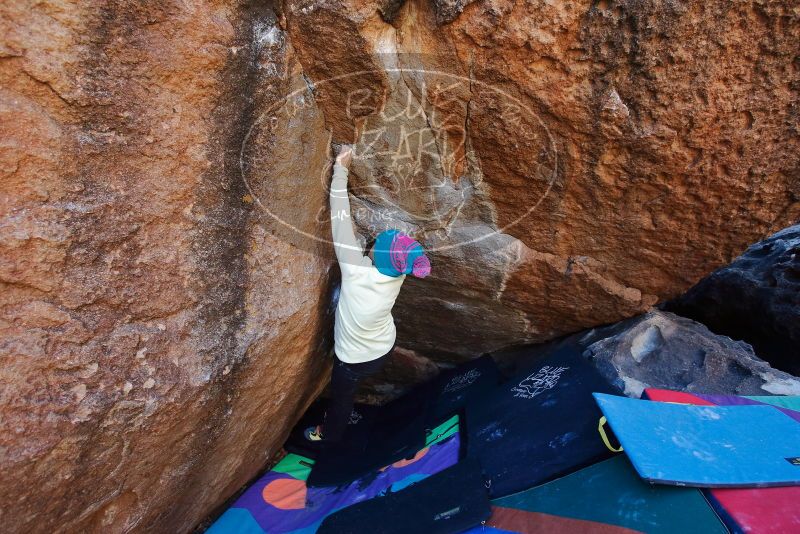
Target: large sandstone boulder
column 166, row 274
column 756, row 298
column 567, row 164
column 157, row 340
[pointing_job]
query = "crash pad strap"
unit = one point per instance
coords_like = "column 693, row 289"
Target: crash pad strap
column 601, row 427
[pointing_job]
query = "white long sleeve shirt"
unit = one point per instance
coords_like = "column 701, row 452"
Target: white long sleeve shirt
column 364, row 328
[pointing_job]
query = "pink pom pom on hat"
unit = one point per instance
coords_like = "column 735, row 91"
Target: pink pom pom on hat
column 422, row 267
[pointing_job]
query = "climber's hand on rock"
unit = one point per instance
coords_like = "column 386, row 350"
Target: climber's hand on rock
column 345, row 155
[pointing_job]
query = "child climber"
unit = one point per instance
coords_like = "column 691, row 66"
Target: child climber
column 364, row 333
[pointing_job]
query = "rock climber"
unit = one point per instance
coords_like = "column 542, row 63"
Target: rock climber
column 364, row 332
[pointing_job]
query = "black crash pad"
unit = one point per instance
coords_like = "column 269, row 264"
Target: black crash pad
column 538, row 425
column 450, row 501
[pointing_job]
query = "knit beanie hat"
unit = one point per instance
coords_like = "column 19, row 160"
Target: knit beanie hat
column 397, row 254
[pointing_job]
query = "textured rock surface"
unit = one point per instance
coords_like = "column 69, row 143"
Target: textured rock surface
column 404, row 369
column 660, row 349
column 598, row 157
column 164, row 265
column 756, row 298
column 157, row 340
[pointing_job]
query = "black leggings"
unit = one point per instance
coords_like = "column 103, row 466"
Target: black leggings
column 345, row 379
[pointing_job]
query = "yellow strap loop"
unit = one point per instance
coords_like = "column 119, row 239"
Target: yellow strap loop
column 604, row 436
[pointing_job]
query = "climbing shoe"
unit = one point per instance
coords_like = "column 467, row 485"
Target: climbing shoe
column 313, row 433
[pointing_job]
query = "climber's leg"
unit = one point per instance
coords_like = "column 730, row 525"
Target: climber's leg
column 344, row 383
column 345, row 380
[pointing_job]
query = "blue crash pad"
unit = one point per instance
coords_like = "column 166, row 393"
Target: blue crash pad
column 707, row 446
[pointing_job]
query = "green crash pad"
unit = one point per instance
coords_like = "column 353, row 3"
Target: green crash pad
column 606, row 495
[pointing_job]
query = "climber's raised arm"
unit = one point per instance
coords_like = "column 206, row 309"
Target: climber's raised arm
column 348, row 250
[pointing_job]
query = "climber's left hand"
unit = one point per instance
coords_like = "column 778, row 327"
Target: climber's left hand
column 345, row 156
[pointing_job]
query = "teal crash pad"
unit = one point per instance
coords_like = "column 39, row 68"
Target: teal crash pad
column 606, row 495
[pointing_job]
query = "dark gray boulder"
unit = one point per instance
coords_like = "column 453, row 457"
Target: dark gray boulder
column 756, row 299
column 660, row 349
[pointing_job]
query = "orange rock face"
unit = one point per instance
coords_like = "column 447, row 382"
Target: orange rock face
column 166, row 276
column 567, row 164
column 158, row 339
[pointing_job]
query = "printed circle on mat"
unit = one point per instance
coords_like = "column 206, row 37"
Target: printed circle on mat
column 404, row 462
column 285, row 493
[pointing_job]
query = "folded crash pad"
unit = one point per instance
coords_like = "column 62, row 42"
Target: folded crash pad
column 707, row 446
column 539, row 425
column 763, row 510
column 281, row 502
column 606, row 497
column 450, row 501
